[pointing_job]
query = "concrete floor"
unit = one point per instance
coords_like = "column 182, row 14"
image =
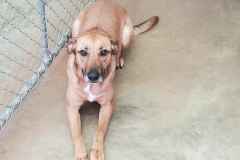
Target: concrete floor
column 178, row 96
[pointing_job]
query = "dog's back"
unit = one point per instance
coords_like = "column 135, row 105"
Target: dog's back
column 106, row 15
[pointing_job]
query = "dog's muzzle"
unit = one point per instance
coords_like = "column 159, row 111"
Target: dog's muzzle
column 94, row 76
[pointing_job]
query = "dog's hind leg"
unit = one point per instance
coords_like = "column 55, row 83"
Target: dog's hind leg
column 127, row 33
column 126, row 38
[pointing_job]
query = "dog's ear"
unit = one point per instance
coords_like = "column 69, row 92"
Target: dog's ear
column 114, row 47
column 71, row 45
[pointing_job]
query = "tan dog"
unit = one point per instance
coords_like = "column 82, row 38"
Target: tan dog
column 99, row 36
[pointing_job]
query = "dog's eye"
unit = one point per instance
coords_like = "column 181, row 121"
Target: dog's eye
column 104, row 52
column 83, row 53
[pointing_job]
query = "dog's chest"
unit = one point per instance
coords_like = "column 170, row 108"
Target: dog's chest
column 92, row 93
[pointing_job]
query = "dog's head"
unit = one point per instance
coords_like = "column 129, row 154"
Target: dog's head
column 94, row 51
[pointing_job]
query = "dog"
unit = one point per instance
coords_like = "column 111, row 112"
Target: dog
column 95, row 50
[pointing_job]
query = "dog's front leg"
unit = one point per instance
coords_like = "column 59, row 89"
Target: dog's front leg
column 76, row 132
column 105, row 114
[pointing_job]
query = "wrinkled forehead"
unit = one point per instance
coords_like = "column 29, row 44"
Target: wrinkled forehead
column 93, row 41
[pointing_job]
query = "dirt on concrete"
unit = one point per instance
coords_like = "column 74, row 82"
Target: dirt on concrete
column 177, row 97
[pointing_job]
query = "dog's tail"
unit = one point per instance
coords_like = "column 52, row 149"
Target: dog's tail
column 146, row 25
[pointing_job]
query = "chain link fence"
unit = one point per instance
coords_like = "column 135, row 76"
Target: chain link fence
column 32, row 32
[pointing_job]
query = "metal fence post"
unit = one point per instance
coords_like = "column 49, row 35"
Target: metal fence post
column 46, row 55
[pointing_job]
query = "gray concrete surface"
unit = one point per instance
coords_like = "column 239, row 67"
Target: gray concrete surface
column 178, row 96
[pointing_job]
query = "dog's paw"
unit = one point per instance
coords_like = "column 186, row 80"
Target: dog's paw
column 97, row 154
column 120, row 63
column 81, row 157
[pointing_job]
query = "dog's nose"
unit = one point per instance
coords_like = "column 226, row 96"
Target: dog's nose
column 93, row 75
